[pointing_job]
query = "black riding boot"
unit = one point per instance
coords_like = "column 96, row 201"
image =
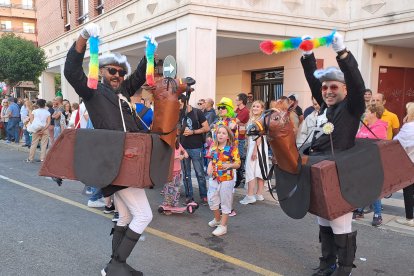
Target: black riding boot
column 327, row 263
column 346, row 245
column 117, row 266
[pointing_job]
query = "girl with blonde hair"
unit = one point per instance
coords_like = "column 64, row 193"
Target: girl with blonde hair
column 254, row 178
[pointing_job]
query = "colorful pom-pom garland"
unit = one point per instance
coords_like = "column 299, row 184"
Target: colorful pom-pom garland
column 93, row 62
column 305, row 44
column 149, row 53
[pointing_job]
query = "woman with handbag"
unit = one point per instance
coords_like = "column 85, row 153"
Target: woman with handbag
column 39, row 124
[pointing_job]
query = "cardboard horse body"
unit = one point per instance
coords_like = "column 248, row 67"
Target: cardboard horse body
column 139, row 160
column 328, row 186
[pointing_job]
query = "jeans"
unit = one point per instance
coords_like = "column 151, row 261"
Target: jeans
column 13, row 129
column 377, row 207
column 196, row 156
column 27, row 138
column 240, row 179
column 96, row 194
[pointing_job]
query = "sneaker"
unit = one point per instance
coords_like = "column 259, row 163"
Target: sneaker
column 233, row 213
column 204, row 201
column 115, row 218
column 377, row 220
column 220, row 230
column 357, row 215
column 404, row 221
column 259, row 197
column 248, row 200
column 109, row 209
column 214, row 223
column 96, row 204
column 88, row 191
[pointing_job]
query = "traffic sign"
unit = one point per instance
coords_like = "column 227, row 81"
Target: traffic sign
column 169, row 69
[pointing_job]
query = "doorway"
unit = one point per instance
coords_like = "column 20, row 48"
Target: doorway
column 267, row 85
column 397, row 84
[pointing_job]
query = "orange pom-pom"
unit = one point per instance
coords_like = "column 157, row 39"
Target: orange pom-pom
column 267, row 47
column 306, row 45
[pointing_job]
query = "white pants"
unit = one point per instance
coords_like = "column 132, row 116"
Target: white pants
column 220, row 193
column 341, row 225
column 134, row 209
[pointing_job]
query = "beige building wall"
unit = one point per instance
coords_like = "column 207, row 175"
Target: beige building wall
column 389, row 56
column 234, row 73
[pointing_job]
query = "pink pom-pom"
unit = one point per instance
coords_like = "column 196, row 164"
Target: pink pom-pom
column 306, row 45
column 92, row 83
column 267, row 47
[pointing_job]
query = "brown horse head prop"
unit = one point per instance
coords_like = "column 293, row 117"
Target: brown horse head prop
column 166, row 106
column 277, row 126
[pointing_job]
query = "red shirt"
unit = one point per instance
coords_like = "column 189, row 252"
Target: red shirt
column 243, row 116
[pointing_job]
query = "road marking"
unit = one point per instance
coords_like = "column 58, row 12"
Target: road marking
column 155, row 232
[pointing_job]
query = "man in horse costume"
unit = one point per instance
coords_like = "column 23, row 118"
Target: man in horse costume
column 109, row 108
column 340, row 93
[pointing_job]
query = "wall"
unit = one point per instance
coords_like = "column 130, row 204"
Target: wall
column 389, row 56
column 233, row 73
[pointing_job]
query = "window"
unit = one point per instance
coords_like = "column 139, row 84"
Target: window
column 6, row 26
column 67, row 15
column 27, row 4
column 5, row 3
column 100, row 7
column 28, row 28
column 83, row 11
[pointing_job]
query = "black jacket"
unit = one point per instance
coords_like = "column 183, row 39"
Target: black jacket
column 102, row 103
column 345, row 115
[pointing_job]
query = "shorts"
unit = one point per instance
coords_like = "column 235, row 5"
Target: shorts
column 220, row 193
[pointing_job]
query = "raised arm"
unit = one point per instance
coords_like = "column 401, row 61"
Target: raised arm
column 73, row 66
column 136, row 80
column 309, row 66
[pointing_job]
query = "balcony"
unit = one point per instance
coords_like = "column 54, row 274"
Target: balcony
column 28, row 34
column 17, row 10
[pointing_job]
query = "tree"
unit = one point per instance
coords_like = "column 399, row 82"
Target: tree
column 20, row 60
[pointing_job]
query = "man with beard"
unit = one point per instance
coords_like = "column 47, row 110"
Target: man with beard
column 105, row 105
column 340, row 94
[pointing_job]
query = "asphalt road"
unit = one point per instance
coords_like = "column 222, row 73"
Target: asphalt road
column 48, row 230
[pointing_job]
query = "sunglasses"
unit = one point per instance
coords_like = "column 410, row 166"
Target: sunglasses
column 200, row 103
column 221, row 108
column 332, row 87
column 113, row 71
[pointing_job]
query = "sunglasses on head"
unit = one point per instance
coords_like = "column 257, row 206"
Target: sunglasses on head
column 221, row 107
column 332, row 87
column 113, row 71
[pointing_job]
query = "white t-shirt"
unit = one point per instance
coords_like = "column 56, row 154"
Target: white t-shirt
column 41, row 114
column 82, row 114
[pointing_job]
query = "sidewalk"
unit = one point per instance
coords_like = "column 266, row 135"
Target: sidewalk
column 393, row 207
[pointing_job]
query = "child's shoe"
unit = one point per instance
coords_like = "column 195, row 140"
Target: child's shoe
column 220, row 230
column 214, row 223
column 232, row 213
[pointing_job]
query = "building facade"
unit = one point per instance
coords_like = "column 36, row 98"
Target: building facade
column 217, row 42
column 19, row 17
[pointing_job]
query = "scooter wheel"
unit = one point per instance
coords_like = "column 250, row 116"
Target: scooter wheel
column 190, row 209
column 160, row 210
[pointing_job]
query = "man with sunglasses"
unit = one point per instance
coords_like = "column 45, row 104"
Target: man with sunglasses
column 104, row 106
column 340, row 94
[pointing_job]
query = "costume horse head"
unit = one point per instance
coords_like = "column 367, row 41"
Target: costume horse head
column 166, row 106
column 276, row 124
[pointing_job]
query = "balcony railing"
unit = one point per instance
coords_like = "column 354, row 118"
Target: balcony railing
column 18, row 30
column 18, row 6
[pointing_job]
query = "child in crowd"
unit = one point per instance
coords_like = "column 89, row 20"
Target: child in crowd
column 253, row 173
column 225, row 158
column 171, row 190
